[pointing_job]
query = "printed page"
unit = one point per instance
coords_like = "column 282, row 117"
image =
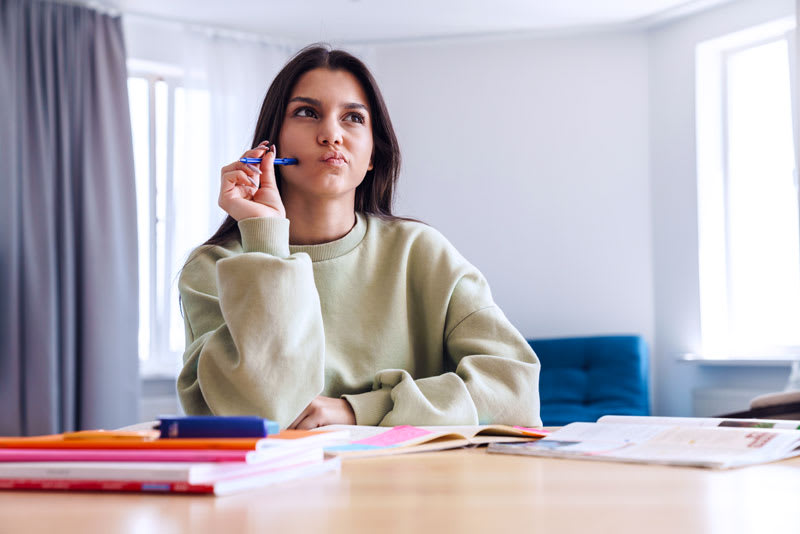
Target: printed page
column 720, row 447
column 383, row 436
column 711, row 447
column 488, row 431
column 701, row 421
column 378, row 441
column 616, row 432
column 405, row 436
column 578, row 439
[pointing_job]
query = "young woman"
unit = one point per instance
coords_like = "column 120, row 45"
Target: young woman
column 314, row 305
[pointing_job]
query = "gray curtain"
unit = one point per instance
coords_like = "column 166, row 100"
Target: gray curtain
column 68, row 249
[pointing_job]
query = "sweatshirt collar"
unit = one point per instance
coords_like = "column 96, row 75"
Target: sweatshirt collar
column 339, row 247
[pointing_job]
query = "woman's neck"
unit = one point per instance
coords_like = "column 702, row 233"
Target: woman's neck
column 319, row 222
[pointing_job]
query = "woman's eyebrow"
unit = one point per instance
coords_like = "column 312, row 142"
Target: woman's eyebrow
column 317, row 103
column 355, row 105
column 312, row 101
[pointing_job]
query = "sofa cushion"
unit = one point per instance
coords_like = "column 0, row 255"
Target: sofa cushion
column 583, row 378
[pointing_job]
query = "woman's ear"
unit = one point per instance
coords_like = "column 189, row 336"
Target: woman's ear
column 369, row 167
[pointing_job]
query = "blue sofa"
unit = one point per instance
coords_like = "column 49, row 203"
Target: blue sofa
column 584, row 378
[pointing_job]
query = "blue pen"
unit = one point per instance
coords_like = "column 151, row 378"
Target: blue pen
column 278, row 161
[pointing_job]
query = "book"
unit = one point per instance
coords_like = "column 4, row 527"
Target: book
column 127, row 440
column 783, row 404
column 368, row 441
column 685, row 441
column 127, row 460
column 145, row 455
column 216, row 426
column 189, row 472
column 702, row 421
column 218, row 487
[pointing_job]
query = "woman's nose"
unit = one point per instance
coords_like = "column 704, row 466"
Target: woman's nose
column 330, row 132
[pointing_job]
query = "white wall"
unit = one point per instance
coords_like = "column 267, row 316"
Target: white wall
column 674, row 194
column 531, row 156
column 564, row 168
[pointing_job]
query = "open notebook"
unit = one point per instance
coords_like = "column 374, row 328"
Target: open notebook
column 368, row 441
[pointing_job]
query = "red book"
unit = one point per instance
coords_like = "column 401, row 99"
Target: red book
column 223, row 486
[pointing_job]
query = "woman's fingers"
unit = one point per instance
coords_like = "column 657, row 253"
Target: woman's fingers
column 313, row 418
column 243, row 177
column 249, row 168
column 264, row 173
column 257, row 151
column 309, row 423
column 250, row 190
column 303, row 415
column 325, row 411
column 253, row 168
column 267, row 168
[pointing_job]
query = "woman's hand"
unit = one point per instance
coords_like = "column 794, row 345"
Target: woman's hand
column 325, row 411
column 249, row 191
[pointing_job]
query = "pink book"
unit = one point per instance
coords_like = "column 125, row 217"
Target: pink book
column 143, row 455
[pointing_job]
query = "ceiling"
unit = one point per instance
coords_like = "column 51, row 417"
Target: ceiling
column 381, row 20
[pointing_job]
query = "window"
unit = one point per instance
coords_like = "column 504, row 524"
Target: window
column 169, row 121
column 748, row 196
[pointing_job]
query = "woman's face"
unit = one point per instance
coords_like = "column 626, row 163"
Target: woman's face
column 328, row 128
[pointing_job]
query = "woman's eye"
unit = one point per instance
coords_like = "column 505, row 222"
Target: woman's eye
column 305, row 112
column 355, row 117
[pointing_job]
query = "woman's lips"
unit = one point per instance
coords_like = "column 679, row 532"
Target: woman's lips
column 334, row 158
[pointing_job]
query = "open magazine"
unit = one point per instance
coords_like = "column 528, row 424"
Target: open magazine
column 688, row 441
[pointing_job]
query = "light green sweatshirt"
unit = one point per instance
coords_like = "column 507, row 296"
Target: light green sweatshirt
column 390, row 317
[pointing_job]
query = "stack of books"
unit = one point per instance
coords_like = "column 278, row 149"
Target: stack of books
column 147, row 461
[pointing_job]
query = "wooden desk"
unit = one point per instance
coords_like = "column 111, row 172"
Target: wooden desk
column 450, row 491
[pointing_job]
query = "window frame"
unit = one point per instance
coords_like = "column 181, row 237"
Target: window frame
column 713, row 179
column 161, row 361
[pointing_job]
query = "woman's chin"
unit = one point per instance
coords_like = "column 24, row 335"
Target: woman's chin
column 331, row 184
column 324, row 187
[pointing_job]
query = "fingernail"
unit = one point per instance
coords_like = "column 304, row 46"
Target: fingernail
column 254, row 168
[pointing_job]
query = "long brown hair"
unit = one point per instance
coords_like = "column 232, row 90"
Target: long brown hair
column 375, row 194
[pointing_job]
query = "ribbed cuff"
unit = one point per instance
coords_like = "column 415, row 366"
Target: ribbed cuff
column 265, row 234
column 371, row 407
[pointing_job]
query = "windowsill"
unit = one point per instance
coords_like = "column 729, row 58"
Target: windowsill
column 740, row 361
column 149, row 372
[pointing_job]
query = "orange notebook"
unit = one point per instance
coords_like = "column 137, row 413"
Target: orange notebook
column 108, row 439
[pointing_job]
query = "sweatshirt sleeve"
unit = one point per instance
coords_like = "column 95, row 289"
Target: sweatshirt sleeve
column 496, row 377
column 255, row 341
